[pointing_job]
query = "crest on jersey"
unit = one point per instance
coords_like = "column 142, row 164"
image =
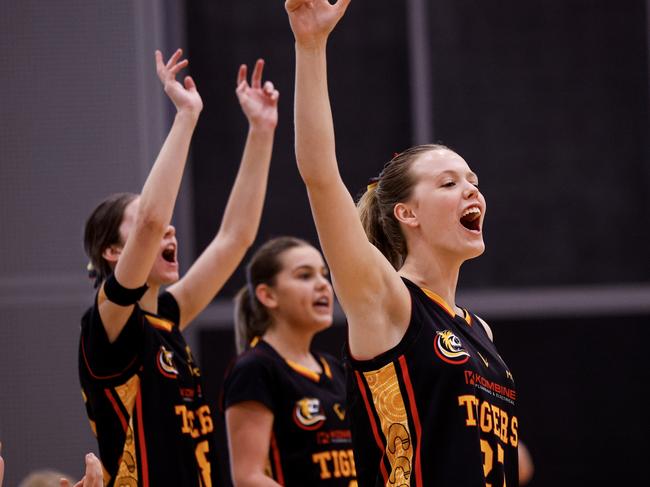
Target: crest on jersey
column 449, row 348
column 308, row 413
column 165, row 361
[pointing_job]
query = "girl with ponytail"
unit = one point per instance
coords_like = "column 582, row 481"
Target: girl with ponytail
column 418, row 408
column 284, row 403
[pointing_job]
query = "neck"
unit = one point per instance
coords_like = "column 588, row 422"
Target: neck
column 292, row 344
column 434, row 272
column 149, row 302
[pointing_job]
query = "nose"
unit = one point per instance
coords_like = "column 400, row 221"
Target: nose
column 170, row 232
column 322, row 282
column 470, row 190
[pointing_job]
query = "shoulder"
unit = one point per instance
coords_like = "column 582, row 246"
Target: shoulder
column 168, row 307
column 252, row 361
column 252, row 377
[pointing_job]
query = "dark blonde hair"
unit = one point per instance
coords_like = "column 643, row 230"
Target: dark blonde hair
column 103, row 230
column 251, row 317
column 394, row 185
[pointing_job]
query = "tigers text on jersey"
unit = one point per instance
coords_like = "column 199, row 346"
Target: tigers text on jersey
column 436, row 410
column 144, row 401
column 311, row 440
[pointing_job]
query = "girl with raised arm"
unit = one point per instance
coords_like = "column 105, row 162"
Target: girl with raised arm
column 431, row 402
column 284, row 403
column 140, row 383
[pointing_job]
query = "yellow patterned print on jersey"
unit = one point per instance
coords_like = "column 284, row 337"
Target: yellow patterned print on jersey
column 389, row 404
column 127, row 471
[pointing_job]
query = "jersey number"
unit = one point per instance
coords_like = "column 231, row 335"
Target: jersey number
column 201, row 452
column 488, row 460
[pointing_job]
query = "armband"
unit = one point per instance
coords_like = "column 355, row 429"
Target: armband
column 118, row 294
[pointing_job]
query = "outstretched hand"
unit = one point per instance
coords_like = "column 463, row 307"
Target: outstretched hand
column 259, row 103
column 313, row 20
column 184, row 96
column 93, row 476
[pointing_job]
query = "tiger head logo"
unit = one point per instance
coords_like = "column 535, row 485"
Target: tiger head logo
column 165, row 362
column 449, row 348
column 308, row 413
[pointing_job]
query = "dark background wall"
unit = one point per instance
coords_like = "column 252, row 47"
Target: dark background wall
column 547, row 101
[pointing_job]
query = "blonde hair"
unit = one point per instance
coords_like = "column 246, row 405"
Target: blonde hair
column 45, row 478
column 394, row 185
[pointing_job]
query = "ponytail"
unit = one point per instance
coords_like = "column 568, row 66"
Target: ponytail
column 251, row 319
column 385, row 235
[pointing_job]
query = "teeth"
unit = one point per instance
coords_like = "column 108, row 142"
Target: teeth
column 471, row 210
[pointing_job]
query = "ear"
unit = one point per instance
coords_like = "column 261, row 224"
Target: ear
column 112, row 253
column 266, row 295
column 404, row 213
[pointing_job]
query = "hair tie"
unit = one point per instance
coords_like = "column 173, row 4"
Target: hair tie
column 372, row 184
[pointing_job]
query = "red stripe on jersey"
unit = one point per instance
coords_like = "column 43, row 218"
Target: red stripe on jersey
column 276, row 460
column 373, row 425
column 100, row 377
column 118, row 411
column 416, row 418
column 141, row 441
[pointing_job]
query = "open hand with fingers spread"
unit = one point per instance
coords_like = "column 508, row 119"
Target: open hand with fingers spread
column 93, row 476
column 184, row 96
column 258, row 102
column 313, row 20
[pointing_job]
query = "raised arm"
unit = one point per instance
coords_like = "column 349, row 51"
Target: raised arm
column 243, row 211
column 374, row 299
column 156, row 202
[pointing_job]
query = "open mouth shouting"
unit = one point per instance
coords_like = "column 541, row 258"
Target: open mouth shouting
column 323, row 303
column 471, row 219
column 169, row 253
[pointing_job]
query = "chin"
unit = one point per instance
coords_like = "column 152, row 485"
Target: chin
column 167, row 279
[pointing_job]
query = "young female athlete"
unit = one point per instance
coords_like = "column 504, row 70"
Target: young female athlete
column 141, row 386
column 431, row 401
column 284, row 404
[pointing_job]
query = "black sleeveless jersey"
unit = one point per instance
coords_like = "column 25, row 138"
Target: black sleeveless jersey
column 144, row 401
column 311, row 440
column 436, row 410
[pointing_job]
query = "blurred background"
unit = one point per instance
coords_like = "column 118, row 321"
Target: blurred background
column 547, row 101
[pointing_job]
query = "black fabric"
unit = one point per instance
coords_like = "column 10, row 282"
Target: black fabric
column 311, row 442
column 434, row 408
column 145, row 402
column 118, row 294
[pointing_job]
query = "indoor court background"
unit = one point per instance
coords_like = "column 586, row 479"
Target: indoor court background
column 547, row 101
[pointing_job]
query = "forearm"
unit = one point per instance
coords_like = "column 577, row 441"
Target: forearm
column 243, row 211
column 161, row 187
column 237, row 232
column 315, row 143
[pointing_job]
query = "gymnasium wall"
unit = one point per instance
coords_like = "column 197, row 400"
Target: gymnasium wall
column 81, row 116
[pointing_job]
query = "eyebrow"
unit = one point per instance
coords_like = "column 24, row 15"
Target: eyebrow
column 470, row 174
column 309, row 268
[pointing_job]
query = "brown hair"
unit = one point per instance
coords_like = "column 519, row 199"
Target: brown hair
column 394, row 185
column 251, row 318
column 103, row 230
